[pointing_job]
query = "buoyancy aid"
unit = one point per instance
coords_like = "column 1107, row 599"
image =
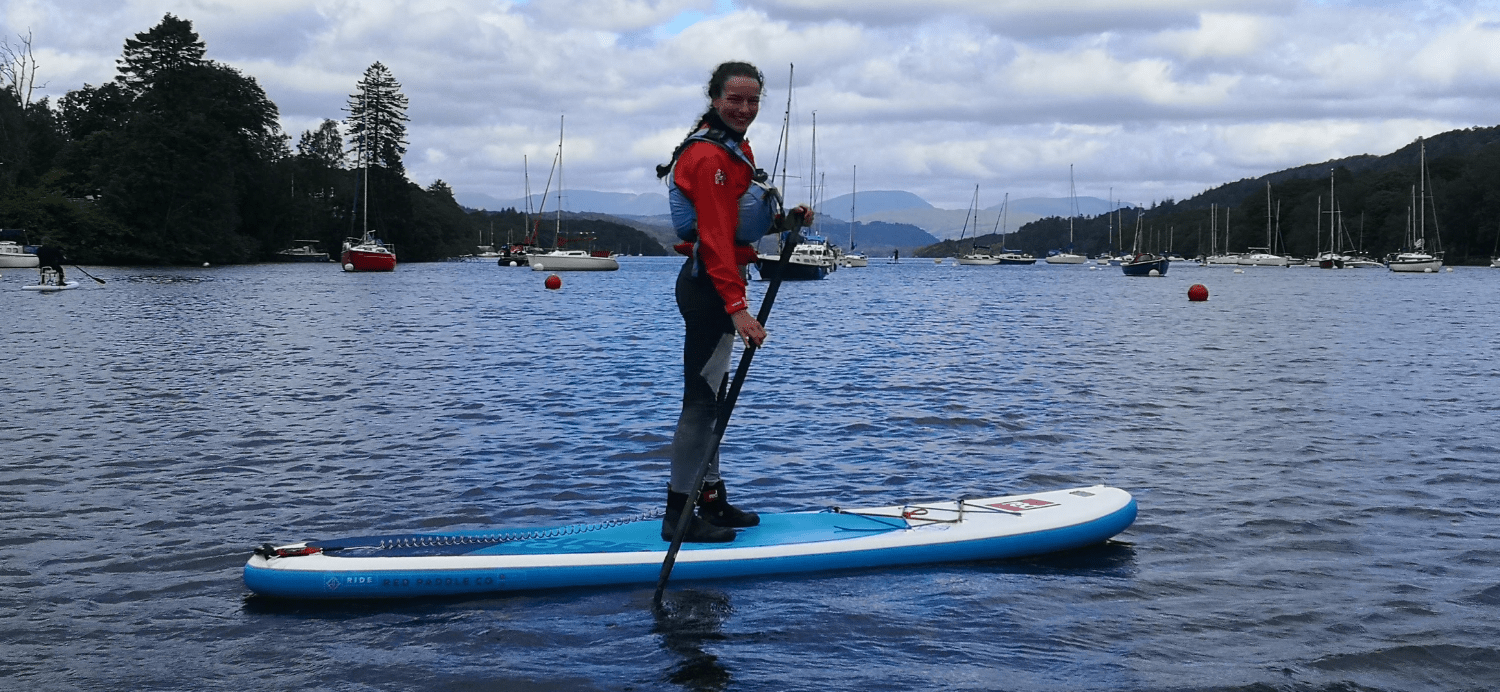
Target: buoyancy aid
column 758, row 206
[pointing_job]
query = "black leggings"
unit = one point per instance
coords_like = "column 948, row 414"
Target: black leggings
column 705, row 372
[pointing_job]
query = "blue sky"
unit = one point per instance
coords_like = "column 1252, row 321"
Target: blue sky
column 1148, row 98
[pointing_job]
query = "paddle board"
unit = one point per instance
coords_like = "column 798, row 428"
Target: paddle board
column 631, row 551
column 50, row 287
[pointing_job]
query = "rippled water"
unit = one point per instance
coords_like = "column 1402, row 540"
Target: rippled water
column 1314, row 452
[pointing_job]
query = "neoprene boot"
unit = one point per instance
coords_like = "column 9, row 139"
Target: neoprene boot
column 714, row 507
column 698, row 530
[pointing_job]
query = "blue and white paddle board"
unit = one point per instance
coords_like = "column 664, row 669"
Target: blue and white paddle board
column 471, row 562
column 51, row 287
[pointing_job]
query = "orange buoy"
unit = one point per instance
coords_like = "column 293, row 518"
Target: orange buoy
column 553, row 282
column 1198, row 293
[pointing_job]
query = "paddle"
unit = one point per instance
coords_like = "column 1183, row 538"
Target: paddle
column 91, row 276
column 726, row 407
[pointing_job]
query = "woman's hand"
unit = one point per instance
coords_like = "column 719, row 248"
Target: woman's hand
column 805, row 212
column 749, row 329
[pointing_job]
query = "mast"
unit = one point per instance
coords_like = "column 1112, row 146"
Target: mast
column 557, row 232
column 853, row 194
column 1269, row 244
column 812, row 178
column 366, row 155
column 1072, row 213
column 1422, row 197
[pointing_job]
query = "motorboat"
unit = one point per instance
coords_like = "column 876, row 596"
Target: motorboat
column 811, row 259
column 306, row 252
column 14, row 255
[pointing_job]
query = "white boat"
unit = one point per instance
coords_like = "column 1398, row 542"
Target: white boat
column 1416, row 258
column 558, row 259
column 974, row 256
column 1360, row 262
column 14, row 256
column 852, row 258
column 1057, row 257
column 1495, row 263
column 1263, row 256
column 812, row 259
column 572, row 261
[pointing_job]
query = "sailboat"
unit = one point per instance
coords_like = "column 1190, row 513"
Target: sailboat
column 1264, row 256
column 1069, row 257
column 366, row 253
column 852, row 258
column 975, row 257
column 1142, row 263
column 558, row 259
column 1008, row 256
column 1415, row 257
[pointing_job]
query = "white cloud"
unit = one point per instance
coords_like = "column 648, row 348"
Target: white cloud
column 1154, row 98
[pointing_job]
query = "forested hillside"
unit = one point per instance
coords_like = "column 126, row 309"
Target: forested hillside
column 182, row 160
column 1375, row 197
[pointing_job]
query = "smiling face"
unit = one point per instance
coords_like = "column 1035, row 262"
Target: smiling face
column 739, row 103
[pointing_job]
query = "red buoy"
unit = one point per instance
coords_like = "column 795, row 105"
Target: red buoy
column 553, row 282
column 1198, row 293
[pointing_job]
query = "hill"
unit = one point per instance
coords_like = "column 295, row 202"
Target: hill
column 1373, row 196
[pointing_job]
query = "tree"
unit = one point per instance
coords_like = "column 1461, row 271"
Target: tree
column 324, row 147
column 18, row 69
column 170, row 45
column 377, row 120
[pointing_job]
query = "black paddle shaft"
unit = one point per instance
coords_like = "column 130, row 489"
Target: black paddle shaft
column 726, row 408
column 91, row 276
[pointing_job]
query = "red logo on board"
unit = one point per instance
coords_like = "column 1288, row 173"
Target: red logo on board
column 1023, row 505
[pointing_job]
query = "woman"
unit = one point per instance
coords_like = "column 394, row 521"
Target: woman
column 712, row 173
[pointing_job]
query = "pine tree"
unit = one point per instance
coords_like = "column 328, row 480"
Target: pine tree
column 377, row 120
column 170, row 45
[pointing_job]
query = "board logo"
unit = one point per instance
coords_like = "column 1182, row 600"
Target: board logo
column 1023, row 505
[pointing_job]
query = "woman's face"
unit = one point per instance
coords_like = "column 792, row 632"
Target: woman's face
column 739, row 104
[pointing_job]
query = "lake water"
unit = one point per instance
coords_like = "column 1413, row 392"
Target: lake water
column 1315, row 455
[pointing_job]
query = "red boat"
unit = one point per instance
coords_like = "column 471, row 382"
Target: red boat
column 367, row 254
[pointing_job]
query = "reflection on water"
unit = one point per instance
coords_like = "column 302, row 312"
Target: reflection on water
column 1313, row 454
column 687, row 620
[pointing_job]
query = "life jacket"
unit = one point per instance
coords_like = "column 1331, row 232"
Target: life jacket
column 758, row 206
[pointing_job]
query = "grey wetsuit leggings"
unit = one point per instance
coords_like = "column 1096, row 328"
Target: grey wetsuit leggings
column 705, row 370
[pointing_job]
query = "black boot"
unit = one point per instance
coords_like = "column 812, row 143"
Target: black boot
column 714, row 506
column 698, row 530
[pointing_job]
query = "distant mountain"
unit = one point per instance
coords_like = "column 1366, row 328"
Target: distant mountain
column 872, row 202
column 615, row 203
column 950, row 223
column 877, row 237
column 895, row 207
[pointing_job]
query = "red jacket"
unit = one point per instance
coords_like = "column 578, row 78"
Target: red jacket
column 714, row 180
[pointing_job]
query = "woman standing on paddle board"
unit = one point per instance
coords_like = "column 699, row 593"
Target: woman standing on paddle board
column 711, row 180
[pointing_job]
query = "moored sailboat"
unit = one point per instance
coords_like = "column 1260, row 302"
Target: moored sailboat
column 367, row 253
column 1415, row 258
column 1067, row 256
column 558, row 259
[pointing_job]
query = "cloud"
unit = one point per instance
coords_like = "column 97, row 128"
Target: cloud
column 1154, row 98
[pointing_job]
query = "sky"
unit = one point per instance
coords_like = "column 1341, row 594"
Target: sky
column 1143, row 99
